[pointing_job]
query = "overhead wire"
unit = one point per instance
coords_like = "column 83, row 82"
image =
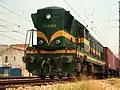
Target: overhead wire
column 112, row 20
column 15, row 13
column 11, row 37
column 110, row 27
column 13, row 6
column 86, row 14
column 85, row 11
column 75, row 12
column 11, row 29
column 19, row 26
column 12, row 23
column 99, row 35
column 111, row 5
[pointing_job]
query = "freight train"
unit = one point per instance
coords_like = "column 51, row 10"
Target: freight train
column 65, row 48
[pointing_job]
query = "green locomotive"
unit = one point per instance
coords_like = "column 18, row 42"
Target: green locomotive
column 64, row 46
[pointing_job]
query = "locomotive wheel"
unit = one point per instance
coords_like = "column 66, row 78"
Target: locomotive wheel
column 42, row 77
column 60, row 77
column 51, row 77
column 70, row 76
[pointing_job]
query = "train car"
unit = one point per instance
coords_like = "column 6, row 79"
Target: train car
column 111, row 62
column 118, row 64
column 64, row 46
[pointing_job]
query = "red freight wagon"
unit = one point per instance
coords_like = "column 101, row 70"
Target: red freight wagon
column 118, row 64
column 110, row 58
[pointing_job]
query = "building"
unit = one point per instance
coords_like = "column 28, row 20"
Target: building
column 2, row 49
column 11, row 56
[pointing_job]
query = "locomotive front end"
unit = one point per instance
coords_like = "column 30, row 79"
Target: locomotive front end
column 50, row 28
column 50, row 56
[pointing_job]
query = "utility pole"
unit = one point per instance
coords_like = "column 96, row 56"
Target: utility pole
column 119, row 38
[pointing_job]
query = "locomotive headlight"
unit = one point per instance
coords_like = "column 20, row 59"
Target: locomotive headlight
column 57, row 41
column 48, row 16
column 40, row 42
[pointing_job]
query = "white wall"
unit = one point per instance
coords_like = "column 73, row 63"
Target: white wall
column 0, row 60
column 14, row 57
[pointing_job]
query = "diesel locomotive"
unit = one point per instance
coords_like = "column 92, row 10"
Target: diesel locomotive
column 64, row 46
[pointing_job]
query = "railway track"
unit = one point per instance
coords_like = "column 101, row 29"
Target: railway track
column 7, row 82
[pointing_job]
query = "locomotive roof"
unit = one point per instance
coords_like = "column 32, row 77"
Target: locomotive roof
column 52, row 7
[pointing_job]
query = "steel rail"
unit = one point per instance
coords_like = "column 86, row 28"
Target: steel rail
column 17, row 77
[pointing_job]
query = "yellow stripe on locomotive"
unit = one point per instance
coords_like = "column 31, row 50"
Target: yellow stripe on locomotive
column 65, row 52
column 62, row 33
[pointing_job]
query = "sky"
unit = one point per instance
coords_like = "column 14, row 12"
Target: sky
column 101, row 16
